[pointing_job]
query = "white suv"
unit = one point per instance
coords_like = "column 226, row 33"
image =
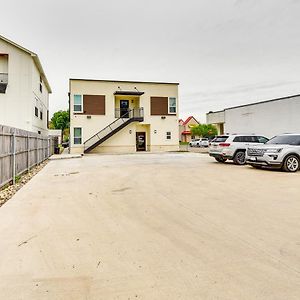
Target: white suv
column 194, row 142
column 280, row 152
column 234, row 147
column 204, row 142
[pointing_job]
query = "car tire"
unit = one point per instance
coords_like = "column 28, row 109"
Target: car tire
column 291, row 163
column 240, row 158
column 220, row 159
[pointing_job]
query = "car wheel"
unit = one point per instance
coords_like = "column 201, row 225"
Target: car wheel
column 240, row 158
column 220, row 159
column 291, row 164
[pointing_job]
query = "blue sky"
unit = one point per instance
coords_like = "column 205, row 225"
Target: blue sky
column 223, row 52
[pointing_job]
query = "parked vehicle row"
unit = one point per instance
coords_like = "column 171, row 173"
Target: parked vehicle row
column 280, row 152
column 203, row 142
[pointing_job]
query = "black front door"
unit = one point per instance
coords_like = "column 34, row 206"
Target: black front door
column 141, row 141
column 124, row 108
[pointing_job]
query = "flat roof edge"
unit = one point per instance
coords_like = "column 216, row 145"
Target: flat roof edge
column 256, row 103
column 123, row 81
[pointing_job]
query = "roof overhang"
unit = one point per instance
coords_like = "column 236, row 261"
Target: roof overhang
column 128, row 93
column 35, row 59
column 186, row 132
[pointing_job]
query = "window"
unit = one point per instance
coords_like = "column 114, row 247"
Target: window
column 168, row 135
column 289, row 139
column 221, row 139
column 41, row 115
column 77, row 136
column 172, row 105
column 237, row 139
column 36, row 111
column 245, row 139
column 77, row 103
column 262, row 139
column 41, row 84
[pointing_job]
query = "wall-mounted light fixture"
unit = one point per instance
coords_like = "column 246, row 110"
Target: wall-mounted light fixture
column 88, row 117
column 132, row 101
column 130, row 131
column 163, row 117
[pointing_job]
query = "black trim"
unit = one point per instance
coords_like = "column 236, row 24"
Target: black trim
column 265, row 164
column 220, row 156
column 126, row 93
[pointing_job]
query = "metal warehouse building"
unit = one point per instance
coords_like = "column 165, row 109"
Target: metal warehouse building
column 269, row 118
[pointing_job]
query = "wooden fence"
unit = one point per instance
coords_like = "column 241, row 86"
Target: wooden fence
column 21, row 150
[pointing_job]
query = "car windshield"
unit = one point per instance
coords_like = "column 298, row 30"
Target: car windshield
column 221, row 139
column 285, row 140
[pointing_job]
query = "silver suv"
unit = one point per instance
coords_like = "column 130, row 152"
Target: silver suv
column 234, row 147
column 280, row 152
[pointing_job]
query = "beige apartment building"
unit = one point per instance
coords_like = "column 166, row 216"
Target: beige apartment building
column 24, row 89
column 123, row 116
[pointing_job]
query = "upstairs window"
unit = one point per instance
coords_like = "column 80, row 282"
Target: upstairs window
column 41, row 84
column 168, row 135
column 172, row 105
column 77, row 103
column 36, row 111
column 77, row 136
column 41, row 115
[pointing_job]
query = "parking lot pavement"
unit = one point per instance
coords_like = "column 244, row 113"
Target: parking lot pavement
column 152, row 226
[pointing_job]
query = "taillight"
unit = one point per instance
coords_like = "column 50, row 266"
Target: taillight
column 224, row 144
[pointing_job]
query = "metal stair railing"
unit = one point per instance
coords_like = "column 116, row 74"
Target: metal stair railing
column 130, row 116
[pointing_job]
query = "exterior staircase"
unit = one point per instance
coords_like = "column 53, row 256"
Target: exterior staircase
column 133, row 115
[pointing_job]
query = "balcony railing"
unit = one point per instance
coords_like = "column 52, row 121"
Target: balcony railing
column 129, row 113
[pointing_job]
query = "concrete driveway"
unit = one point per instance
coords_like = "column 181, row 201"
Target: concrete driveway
column 152, row 226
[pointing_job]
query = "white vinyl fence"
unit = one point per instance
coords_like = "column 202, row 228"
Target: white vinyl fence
column 21, row 150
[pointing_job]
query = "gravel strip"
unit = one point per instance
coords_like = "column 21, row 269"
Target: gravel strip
column 8, row 192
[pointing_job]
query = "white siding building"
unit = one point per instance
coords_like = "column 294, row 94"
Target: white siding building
column 268, row 118
column 24, row 89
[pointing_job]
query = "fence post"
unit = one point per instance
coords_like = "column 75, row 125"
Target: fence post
column 14, row 157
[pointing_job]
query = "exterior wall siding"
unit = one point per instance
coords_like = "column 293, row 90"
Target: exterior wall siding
column 17, row 104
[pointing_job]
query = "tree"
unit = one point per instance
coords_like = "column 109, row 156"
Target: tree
column 209, row 130
column 196, row 130
column 204, row 130
column 60, row 120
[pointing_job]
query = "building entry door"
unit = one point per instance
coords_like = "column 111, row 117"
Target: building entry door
column 141, row 141
column 124, row 108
